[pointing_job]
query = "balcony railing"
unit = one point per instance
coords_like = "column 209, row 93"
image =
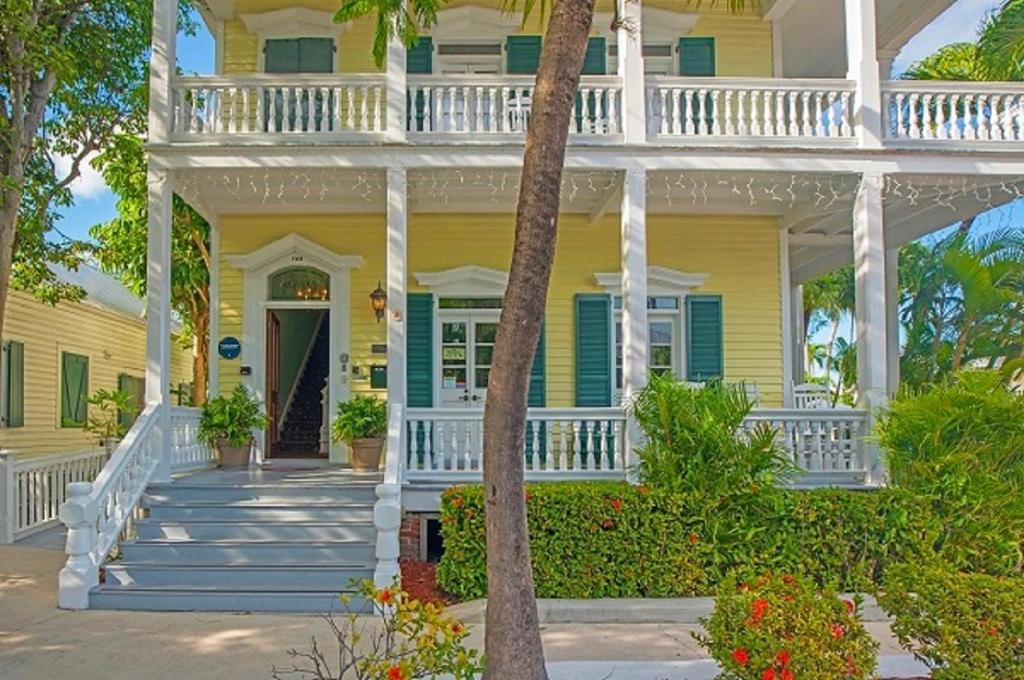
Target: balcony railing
column 328, row 106
column 688, row 109
column 488, row 106
column 954, row 111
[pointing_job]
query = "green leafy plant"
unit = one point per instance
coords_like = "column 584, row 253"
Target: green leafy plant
column 784, row 627
column 362, row 417
column 106, row 424
column 960, row 446
column 404, row 640
column 612, row 539
column 695, row 440
column 964, row 626
column 232, row 419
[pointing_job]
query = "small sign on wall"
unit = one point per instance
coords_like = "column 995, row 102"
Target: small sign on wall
column 378, row 377
column 229, row 347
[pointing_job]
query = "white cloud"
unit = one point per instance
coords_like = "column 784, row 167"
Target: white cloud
column 959, row 23
column 89, row 184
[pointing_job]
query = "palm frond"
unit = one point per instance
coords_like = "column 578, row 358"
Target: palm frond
column 1001, row 43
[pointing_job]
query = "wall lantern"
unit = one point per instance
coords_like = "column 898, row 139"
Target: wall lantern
column 379, row 301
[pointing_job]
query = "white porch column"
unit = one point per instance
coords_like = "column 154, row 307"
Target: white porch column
column 789, row 356
column 213, row 353
column 396, row 91
column 634, row 295
column 863, row 68
column 872, row 345
column 631, row 70
column 158, row 308
column 892, row 318
column 161, row 68
column 796, row 296
column 396, row 286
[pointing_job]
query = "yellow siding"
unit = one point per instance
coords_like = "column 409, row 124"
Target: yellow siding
column 114, row 344
column 744, row 41
column 740, row 255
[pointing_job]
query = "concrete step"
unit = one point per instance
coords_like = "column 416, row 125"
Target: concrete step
column 256, row 494
column 200, row 600
column 291, row 512
column 237, row 577
column 231, row 530
column 242, row 552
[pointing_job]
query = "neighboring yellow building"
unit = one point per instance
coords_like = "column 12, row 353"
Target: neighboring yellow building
column 55, row 356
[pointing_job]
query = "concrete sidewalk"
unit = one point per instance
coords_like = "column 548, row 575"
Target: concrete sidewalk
column 39, row 641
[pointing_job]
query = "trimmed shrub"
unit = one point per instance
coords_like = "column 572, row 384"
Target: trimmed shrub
column 784, row 627
column 960, row 446
column 964, row 626
column 612, row 539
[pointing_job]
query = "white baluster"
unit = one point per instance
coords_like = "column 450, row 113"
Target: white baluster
column 743, row 127
column 955, row 130
column 730, row 123
column 716, row 125
column 984, row 126
column 769, row 114
column 756, row 128
column 845, row 122
column 940, row 112
column 808, row 127
column 702, row 115
column 794, row 116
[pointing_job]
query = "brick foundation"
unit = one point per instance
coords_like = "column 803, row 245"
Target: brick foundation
column 409, row 536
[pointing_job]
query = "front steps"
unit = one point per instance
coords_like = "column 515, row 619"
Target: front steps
column 240, row 541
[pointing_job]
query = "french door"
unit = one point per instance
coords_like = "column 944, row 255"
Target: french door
column 467, row 347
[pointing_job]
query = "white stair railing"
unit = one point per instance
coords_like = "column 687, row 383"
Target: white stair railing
column 97, row 515
column 187, row 451
column 387, row 511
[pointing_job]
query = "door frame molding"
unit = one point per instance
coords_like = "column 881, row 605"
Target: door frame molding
column 290, row 251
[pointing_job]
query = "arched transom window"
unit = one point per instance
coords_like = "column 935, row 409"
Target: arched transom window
column 299, row 284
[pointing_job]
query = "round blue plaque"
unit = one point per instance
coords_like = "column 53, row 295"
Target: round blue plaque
column 229, row 347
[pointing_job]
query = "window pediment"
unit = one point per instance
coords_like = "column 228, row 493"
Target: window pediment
column 293, row 22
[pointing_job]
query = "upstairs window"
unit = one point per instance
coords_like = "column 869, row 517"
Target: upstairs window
column 298, row 55
column 697, row 58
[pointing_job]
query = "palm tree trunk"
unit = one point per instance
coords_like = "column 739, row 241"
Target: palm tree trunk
column 512, row 634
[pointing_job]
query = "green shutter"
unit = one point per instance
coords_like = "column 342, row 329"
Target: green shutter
column 593, row 350
column 595, row 63
column 316, row 55
column 538, row 379
column 697, row 57
column 522, row 54
column 419, row 339
column 14, row 377
column 74, row 389
column 420, row 57
column 281, row 56
column 704, row 356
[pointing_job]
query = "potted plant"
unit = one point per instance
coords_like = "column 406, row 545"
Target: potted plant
column 361, row 422
column 227, row 425
column 105, row 420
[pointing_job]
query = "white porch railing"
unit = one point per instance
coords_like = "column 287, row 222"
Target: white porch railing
column 567, row 442
column 818, row 440
column 954, row 111
column 271, row 105
column 187, row 452
column 32, row 490
column 387, row 511
column 690, row 108
column 493, row 105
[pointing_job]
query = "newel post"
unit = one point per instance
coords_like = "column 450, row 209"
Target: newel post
column 387, row 518
column 8, row 519
column 81, row 573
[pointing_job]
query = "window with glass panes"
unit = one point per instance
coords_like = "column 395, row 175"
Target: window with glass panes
column 662, row 337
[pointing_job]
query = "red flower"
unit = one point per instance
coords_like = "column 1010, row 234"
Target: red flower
column 759, row 609
column 395, row 673
column 769, row 674
column 788, row 580
column 457, row 628
column 850, row 606
column 458, row 502
column 616, row 504
column 837, row 631
column 384, row 597
column 787, row 674
column 694, row 538
column 643, row 489
column 608, row 523
column 782, row 658
column 470, row 514
column 741, row 656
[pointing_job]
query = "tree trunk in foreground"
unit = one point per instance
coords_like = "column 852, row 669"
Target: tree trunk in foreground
column 512, row 636
column 200, row 357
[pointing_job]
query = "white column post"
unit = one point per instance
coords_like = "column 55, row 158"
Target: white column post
column 872, row 345
column 631, row 71
column 162, row 63
column 158, row 310
column 213, row 353
column 863, row 69
column 398, row 218
column 892, row 318
column 396, row 98
column 634, row 295
column 81, row 573
column 8, row 508
column 789, row 357
column 796, row 295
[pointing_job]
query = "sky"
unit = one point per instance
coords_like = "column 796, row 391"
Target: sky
column 94, row 203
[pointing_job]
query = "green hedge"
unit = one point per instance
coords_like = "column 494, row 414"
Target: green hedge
column 612, row 539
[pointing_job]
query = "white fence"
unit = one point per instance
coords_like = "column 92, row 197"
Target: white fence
column 954, row 111
column 278, row 105
column 818, row 440
column 33, row 489
column 749, row 107
column 491, row 105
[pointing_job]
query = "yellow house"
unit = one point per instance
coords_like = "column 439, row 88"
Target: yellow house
column 362, row 230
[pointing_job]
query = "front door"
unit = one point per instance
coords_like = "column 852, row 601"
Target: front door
column 467, row 347
column 273, row 376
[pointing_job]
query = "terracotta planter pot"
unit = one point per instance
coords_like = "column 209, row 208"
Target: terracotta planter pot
column 366, row 454
column 234, row 456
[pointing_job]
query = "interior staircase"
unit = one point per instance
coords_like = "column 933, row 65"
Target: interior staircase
column 301, row 432
column 265, row 541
